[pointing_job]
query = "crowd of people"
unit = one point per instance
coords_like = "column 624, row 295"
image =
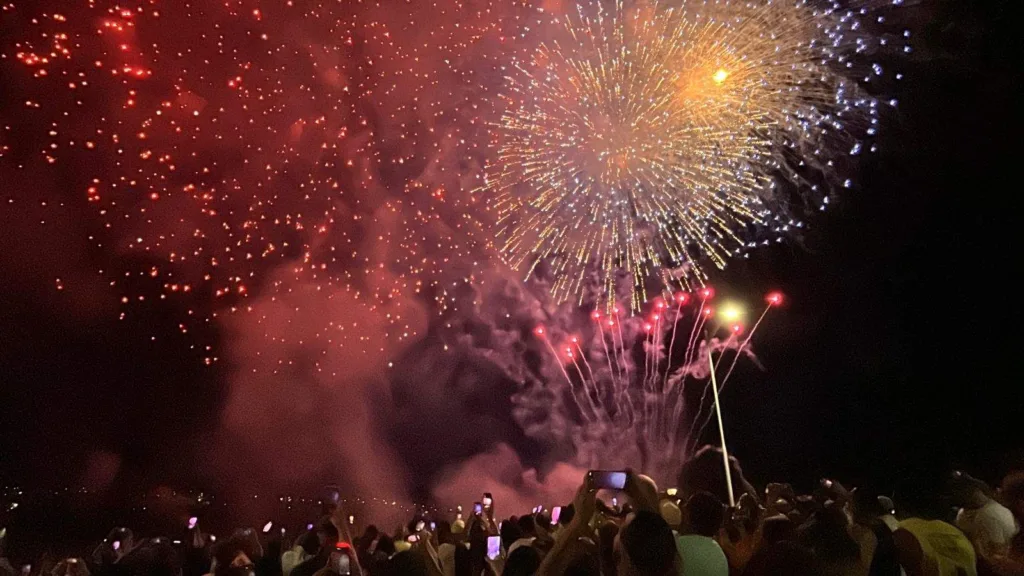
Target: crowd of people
column 623, row 524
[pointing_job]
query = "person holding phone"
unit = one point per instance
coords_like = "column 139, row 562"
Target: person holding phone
column 329, row 537
column 235, row 557
column 645, row 544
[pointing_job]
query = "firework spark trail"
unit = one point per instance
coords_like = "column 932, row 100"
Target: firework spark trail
column 584, row 383
column 707, row 385
column 739, row 351
column 650, row 421
column 695, row 329
column 617, row 350
column 648, row 345
column 688, row 356
column 646, row 137
column 680, row 299
column 745, row 341
column 583, row 356
column 593, row 379
column 611, row 370
column 568, row 380
column 622, row 342
column 647, row 383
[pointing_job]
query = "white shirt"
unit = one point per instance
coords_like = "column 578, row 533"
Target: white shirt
column 990, row 528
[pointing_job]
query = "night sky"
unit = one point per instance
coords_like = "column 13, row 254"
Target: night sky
column 897, row 348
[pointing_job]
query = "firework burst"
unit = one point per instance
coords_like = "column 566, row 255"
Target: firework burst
column 654, row 138
column 221, row 154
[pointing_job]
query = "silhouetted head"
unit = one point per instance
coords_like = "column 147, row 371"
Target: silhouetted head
column 704, row 513
column 646, row 547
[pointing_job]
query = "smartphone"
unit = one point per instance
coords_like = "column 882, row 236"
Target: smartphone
column 267, row 527
column 413, row 538
column 477, row 508
column 488, row 500
column 608, row 480
column 556, row 513
column 420, row 526
column 116, row 545
column 672, row 491
column 433, row 526
column 192, row 522
column 493, row 547
column 351, row 519
column 309, row 526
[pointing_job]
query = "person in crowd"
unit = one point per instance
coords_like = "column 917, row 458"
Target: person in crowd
column 704, row 472
column 523, row 562
column 739, row 535
column 446, row 548
column 327, row 535
column 306, row 546
column 988, row 524
column 670, row 511
column 407, row 564
column 889, row 518
column 270, row 563
column 512, row 537
column 234, row 557
column 926, row 544
column 70, row 567
column 118, row 543
column 1012, row 562
column 702, row 521
column 646, row 547
column 528, row 526
column 872, row 534
column 155, row 557
column 606, row 534
column 566, row 516
column 827, row 535
column 783, row 558
column 777, row 528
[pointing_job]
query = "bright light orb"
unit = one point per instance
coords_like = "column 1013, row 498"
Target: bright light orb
column 720, row 76
column 731, row 312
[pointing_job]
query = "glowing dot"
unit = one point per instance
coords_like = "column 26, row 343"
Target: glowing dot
column 720, row 76
column 731, row 312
